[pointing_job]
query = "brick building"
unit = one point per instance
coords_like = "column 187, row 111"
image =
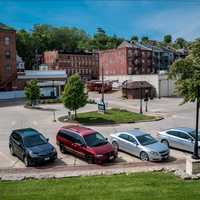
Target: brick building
column 127, row 59
column 85, row 64
column 8, row 71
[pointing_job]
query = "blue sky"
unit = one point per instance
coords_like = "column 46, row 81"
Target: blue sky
column 153, row 18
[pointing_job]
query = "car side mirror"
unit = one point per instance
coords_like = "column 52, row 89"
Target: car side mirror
column 83, row 145
column 47, row 139
column 191, row 140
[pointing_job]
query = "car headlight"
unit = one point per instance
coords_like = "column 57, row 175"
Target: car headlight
column 33, row 154
column 99, row 156
column 154, row 153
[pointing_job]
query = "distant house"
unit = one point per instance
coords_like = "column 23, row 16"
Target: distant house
column 84, row 64
column 8, row 72
column 138, row 90
column 20, row 64
column 127, row 59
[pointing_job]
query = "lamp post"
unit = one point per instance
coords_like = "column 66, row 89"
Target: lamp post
column 146, row 99
column 196, row 153
column 102, row 86
column 141, row 98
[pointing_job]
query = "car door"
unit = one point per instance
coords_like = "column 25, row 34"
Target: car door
column 21, row 148
column 173, row 138
column 79, row 146
column 185, row 142
column 132, row 146
column 67, row 140
column 122, row 141
column 17, row 145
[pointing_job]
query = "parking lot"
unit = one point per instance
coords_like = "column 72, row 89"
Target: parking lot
column 13, row 116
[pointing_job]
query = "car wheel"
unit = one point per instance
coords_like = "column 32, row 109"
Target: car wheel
column 144, row 156
column 115, row 145
column 62, row 148
column 165, row 142
column 90, row 159
column 26, row 161
column 11, row 150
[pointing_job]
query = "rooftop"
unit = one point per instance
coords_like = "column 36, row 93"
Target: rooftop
column 79, row 129
column 136, row 84
column 185, row 129
column 5, row 27
column 26, row 132
column 136, row 132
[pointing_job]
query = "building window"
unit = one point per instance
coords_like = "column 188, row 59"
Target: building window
column 7, row 40
column 8, row 68
column 7, row 54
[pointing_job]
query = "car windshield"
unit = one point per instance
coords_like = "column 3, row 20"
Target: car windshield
column 146, row 139
column 95, row 139
column 193, row 134
column 34, row 140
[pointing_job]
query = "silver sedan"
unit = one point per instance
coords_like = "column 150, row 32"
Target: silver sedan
column 180, row 138
column 140, row 144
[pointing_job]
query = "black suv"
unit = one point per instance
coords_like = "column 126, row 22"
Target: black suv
column 31, row 146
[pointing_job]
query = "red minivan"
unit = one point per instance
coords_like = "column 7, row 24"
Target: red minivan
column 85, row 143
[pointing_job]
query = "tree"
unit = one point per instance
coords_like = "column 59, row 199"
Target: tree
column 25, row 47
column 180, row 43
column 186, row 73
column 134, row 38
column 144, row 39
column 167, row 39
column 32, row 92
column 74, row 96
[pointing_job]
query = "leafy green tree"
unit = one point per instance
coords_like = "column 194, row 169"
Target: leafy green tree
column 186, row 73
column 180, row 43
column 134, row 38
column 167, row 39
column 25, row 47
column 32, row 92
column 144, row 39
column 74, row 96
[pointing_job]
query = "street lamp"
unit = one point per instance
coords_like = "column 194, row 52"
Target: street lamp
column 141, row 84
column 146, row 98
column 195, row 153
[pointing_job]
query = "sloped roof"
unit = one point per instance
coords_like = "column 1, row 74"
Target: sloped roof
column 125, row 44
column 136, row 84
column 5, row 27
column 141, row 46
column 134, row 45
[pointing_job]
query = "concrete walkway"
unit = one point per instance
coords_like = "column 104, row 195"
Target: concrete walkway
column 89, row 170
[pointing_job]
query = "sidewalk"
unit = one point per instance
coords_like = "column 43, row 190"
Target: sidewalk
column 89, row 170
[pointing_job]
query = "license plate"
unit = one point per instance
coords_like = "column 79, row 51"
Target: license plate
column 111, row 157
column 46, row 158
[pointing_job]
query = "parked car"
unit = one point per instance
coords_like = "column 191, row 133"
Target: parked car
column 31, row 146
column 85, row 143
column 180, row 138
column 140, row 144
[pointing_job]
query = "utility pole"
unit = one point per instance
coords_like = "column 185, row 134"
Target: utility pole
column 196, row 153
column 102, row 86
column 141, row 97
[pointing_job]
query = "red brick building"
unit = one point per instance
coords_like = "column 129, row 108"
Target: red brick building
column 85, row 64
column 8, row 71
column 127, row 59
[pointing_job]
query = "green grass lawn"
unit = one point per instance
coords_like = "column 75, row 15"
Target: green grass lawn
column 112, row 116
column 138, row 186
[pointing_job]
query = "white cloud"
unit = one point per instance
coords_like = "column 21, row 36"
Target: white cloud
column 178, row 21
